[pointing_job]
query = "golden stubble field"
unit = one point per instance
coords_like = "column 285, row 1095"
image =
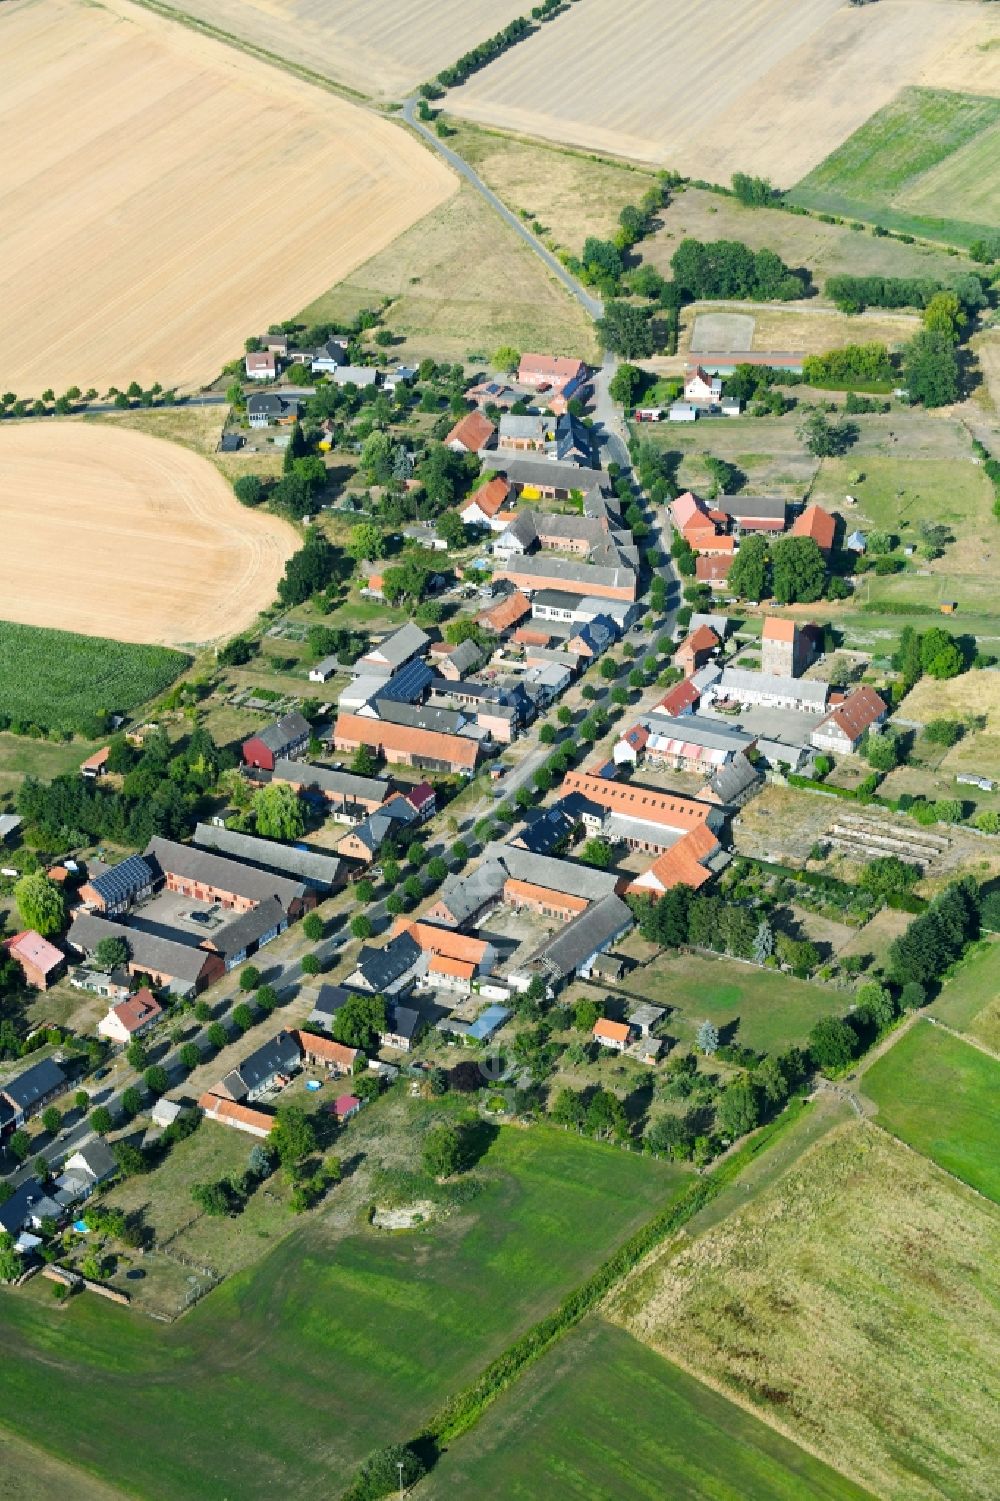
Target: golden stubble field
column 163, row 196
column 378, row 49
column 114, row 533
column 767, row 86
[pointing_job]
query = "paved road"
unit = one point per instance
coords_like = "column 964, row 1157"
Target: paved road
column 591, row 304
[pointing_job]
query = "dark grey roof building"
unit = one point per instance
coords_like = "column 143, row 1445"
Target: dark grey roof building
column 317, row 870
column 261, row 1070
column 27, row 1092
column 388, row 970
column 124, row 884
column 574, row 948
column 212, row 874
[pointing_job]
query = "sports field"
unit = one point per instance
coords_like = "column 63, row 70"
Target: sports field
column 927, row 163
column 855, row 1304
column 939, row 1095
column 374, row 49
column 109, row 531
column 603, row 1416
column 770, row 86
column 165, row 196
column 285, row 1376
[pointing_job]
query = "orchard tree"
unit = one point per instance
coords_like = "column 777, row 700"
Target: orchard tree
column 749, row 575
column 930, row 368
column 798, row 570
column 626, row 330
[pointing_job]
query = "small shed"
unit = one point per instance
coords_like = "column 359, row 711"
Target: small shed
column 346, row 1105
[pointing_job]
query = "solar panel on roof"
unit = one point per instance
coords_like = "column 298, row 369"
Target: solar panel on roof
column 123, row 880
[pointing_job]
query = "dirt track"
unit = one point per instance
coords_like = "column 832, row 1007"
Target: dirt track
column 165, row 195
column 115, row 533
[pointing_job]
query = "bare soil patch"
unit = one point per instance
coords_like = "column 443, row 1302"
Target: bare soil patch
column 165, row 196
column 114, row 532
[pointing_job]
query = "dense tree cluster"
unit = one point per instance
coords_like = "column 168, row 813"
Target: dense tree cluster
column 866, row 364
column 728, row 268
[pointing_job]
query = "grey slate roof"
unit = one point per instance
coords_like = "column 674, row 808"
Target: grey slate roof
column 27, row 1201
column 27, row 1088
column 464, row 896
column 381, row 967
column 404, row 643
column 522, row 469
column 317, row 870
column 757, row 507
column 98, row 1159
column 695, row 729
column 403, row 1021
column 277, row 1056
column 573, row 573
column 557, row 875
column 270, row 404
column 228, row 875
column 736, row 680
column 420, row 716
column 466, row 656
column 248, row 928
column 542, row 834
column 731, row 781
column 292, row 729
column 328, row 1003
column 374, row 830
column 601, row 925
column 181, row 961
column 327, row 779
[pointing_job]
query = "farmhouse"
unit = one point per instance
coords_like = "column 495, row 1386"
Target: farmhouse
column 333, row 1056
column 573, row 950
column 243, row 936
column 406, row 746
column 349, row 798
column 767, row 690
column 367, row 837
column 682, row 698
column 459, row 660
column 552, row 373
column 261, row 1070
column 286, row 739
column 752, row 513
column 713, row 571
column 130, row 1018
column 183, row 968
column 501, row 617
column 463, row 899
column 208, row 877
column 543, row 478
column 389, row 970
column 733, row 784
column 570, row 576
column 844, row 727
column 267, row 407
column 29, row 1092
column 522, row 434
column 394, row 651
column 329, row 357
column 447, row 944
column 818, row 524
column 261, row 364
column 547, row 833
column 315, row 870
column 120, row 887
column 484, row 506
column 687, row 743
column 642, row 817
column 613, row 1035
column 700, row 386
column 40, row 962
column 696, row 649
column 240, row 1117
column 472, row 433
column 785, row 650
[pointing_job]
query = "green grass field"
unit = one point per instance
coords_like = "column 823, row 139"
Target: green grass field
column 286, row 1375
column 971, row 1001
column 938, row 1094
column 604, row 1416
column 927, row 164
column 61, row 681
column 771, row 1011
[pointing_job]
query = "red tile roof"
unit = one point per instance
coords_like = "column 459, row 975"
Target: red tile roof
column 776, row 629
column 344, row 1104
column 352, row 730
column 138, row 1011
column 434, row 940
column 97, row 761
column 817, row 524
column 473, row 431
column 703, row 639
column 708, row 570
column 681, row 864
column 31, row 948
column 611, row 1031
column 325, row 1048
column 228, row 1110
column 461, row 969
column 859, row 711
column 490, row 497
column 507, row 612
column 680, row 697
column 635, row 801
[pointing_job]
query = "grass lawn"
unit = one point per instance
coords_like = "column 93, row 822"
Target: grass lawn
column 928, row 164
column 21, row 757
column 461, row 285
column 856, row 1301
column 286, row 1375
column 601, row 1415
column 970, row 1002
column 938, row 1094
column 760, row 1008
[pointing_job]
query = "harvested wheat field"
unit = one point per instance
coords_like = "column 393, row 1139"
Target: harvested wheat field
column 164, row 196
column 376, row 49
column 114, row 533
column 854, row 1305
column 769, row 86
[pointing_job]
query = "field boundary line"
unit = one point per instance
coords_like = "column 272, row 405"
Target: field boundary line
column 968, row 1187
column 462, row 1411
column 262, row 54
column 974, row 1042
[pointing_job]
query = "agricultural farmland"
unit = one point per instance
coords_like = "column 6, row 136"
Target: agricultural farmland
column 342, row 1351
column 938, row 1094
column 601, row 1415
column 111, row 529
column 166, row 195
column 772, row 86
column 854, row 1304
column 60, row 681
column 928, row 163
